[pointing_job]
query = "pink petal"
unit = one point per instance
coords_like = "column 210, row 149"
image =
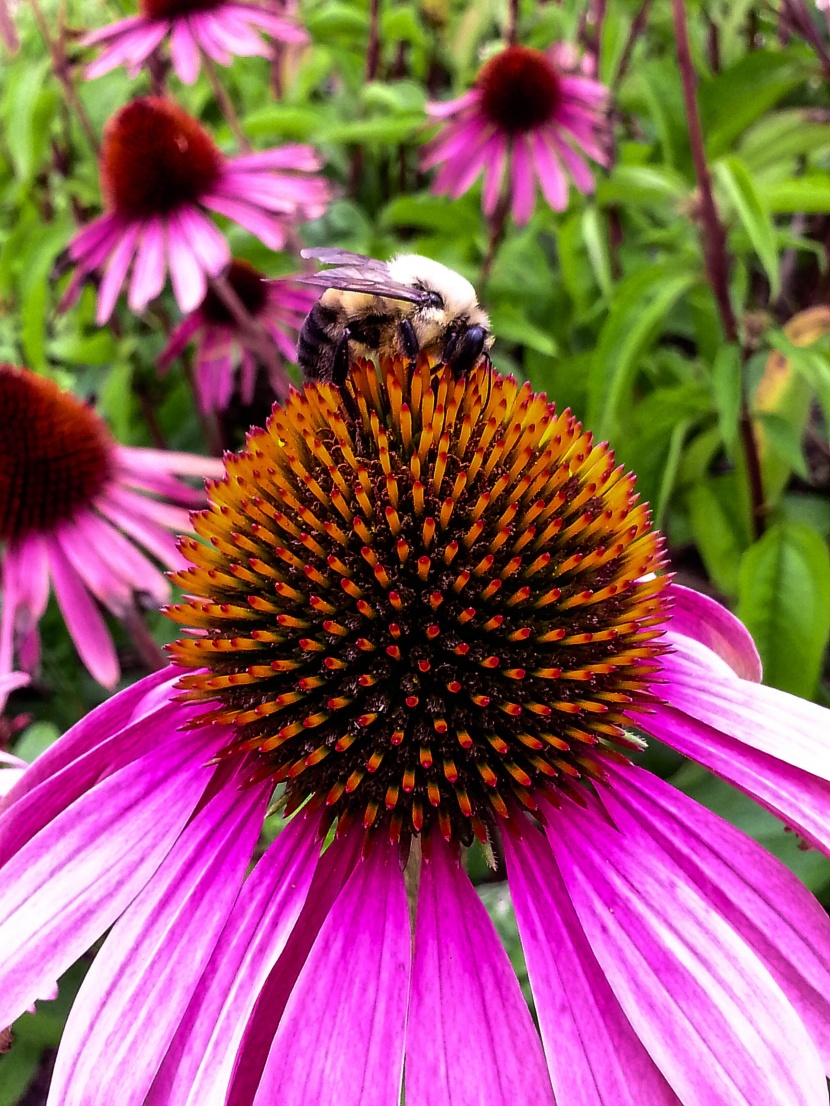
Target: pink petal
column 470, row 1037
column 184, row 51
column 268, row 229
column 494, row 177
column 594, row 1055
column 205, row 239
column 200, row 1061
column 11, row 681
column 333, row 870
column 128, row 562
column 699, row 617
column 523, row 185
column 273, row 25
column 760, row 898
column 139, row 986
column 111, row 30
column 764, row 718
column 186, row 273
column 83, row 620
column 591, row 92
column 234, row 35
column 103, row 232
column 150, row 270
column 549, row 172
column 132, row 47
column 211, row 42
column 707, row 1010
column 452, row 143
column 61, row 891
column 290, row 156
column 581, row 175
column 799, row 798
column 116, row 270
column 93, row 567
column 179, row 340
column 445, row 108
column 143, row 462
column 353, row 1055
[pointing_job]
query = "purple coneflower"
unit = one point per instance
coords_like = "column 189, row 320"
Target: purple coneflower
column 159, row 170
column 74, row 507
column 222, row 344
column 530, row 117
column 222, row 29
column 11, row 767
column 446, row 627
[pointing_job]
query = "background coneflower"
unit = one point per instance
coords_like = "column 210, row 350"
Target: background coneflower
column 524, row 121
column 74, row 508
column 221, row 29
column 223, row 343
column 159, row 170
column 445, row 627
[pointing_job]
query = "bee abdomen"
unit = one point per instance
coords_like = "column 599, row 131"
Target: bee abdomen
column 316, row 342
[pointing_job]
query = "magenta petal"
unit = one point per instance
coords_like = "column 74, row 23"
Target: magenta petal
column 186, row 273
column 760, row 898
column 264, row 226
column 111, row 30
column 594, row 1055
column 199, row 1064
column 83, row 620
column 550, row 173
column 699, row 617
column 63, row 889
column 354, row 1054
column 470, row 1038
column 116, row 270
column 150, row 270
column 712, row 1017
column 523, row 185
column 139, row 986
column 800, row 799
column 184, row 51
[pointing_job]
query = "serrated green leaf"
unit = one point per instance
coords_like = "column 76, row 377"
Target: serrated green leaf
column 784, row 600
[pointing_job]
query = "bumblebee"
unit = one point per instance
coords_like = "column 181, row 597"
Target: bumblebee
column 405, row 306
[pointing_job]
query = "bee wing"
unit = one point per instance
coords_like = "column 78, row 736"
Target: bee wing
column 355, row 273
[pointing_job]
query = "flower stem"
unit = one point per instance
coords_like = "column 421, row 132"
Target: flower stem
column 62, row 70
column 511, row 31
column 638, row 25
column 225, row 103
column 252, row 332
column 496, row 226
column 715, row 252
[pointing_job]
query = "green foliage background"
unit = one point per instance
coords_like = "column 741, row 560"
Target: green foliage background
column 605, row 306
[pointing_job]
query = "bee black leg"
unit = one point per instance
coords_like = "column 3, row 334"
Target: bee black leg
column 409, row 341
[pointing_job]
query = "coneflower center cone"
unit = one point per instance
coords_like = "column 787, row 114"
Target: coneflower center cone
column 170, row 9
column 155, row 158
column 520, row 89
column 250, row 287
column 429, row 623
column 55, row 453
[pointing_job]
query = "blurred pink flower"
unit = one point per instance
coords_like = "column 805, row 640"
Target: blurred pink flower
column 221, row 29
column 74, row 508
column 526, row 116
column 279, row 306
column 159, row 170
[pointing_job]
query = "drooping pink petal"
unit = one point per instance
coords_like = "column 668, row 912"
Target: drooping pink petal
column 95, row 728
column 186, row 273
column 274, row 25
column 153, row 537
column 443, row 109
column 594, row 1055
column 267, row 228
column 132, row 48
column 549, row 172
column 333, row 871
column 210, row 41
column 699, row 617
column 199, row 1064
column 290, row 156
column 782, row 725
column 453, row 143
column 800, row 799
column 714, row 1020
column 353, row 1055
column 103, row 231
column 116, row 270
column 580, row 88
column 44, row 796
column 580, row 174
column 523, row 184
column 142, row 461
column 83, row 619
column 470, row 1038
column 11, row 681
column 128, row 562
column 205, row 239
column 141, row 982
column 61, row 891
column 9, row 610
column 111, row 30
column 760, row 898
column 494, row 177
column 92, row 566
column 150, row 270
column 235, row 35
column 184, row 51
column 179, row 339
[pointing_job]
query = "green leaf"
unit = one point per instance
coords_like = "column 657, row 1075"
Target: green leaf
column 639, row 307
column 808, row 194
column 784, row 440
column 739, row 95
column 27, row 109
column 717, row 520
column 510, row 324
column 644, row 185
column 381, row 130
column 595, row 233
column 17, row 1070
column 35, row 740
column 778, row 139
column 751, row 210
column 784, row 600
column 726, row 386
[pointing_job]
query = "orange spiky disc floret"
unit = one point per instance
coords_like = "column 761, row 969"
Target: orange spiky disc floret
column 432, row 619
